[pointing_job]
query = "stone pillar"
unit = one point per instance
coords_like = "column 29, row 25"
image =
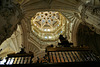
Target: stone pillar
column 10, row 15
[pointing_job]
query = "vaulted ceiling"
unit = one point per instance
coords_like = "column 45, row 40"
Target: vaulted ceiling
column 32, row 15
column 30, row 6
column 65, row 8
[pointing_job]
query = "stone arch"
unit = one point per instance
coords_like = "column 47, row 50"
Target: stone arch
column 12, row 44
column 86, row 37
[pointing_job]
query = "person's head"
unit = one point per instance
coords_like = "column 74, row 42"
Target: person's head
column 51, row 45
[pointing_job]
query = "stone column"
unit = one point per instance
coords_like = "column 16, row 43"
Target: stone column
column 10, row 15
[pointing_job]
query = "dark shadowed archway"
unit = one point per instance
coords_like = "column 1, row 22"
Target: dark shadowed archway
column 87, row 37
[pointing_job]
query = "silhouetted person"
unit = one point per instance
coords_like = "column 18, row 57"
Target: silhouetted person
column 64, row 42
column 51, row 45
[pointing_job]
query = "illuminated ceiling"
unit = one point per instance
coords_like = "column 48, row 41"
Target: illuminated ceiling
column 48, row 25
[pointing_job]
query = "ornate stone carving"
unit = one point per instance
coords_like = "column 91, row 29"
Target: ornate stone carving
column 93, row 9
column 88, row 9
column 83, row 15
